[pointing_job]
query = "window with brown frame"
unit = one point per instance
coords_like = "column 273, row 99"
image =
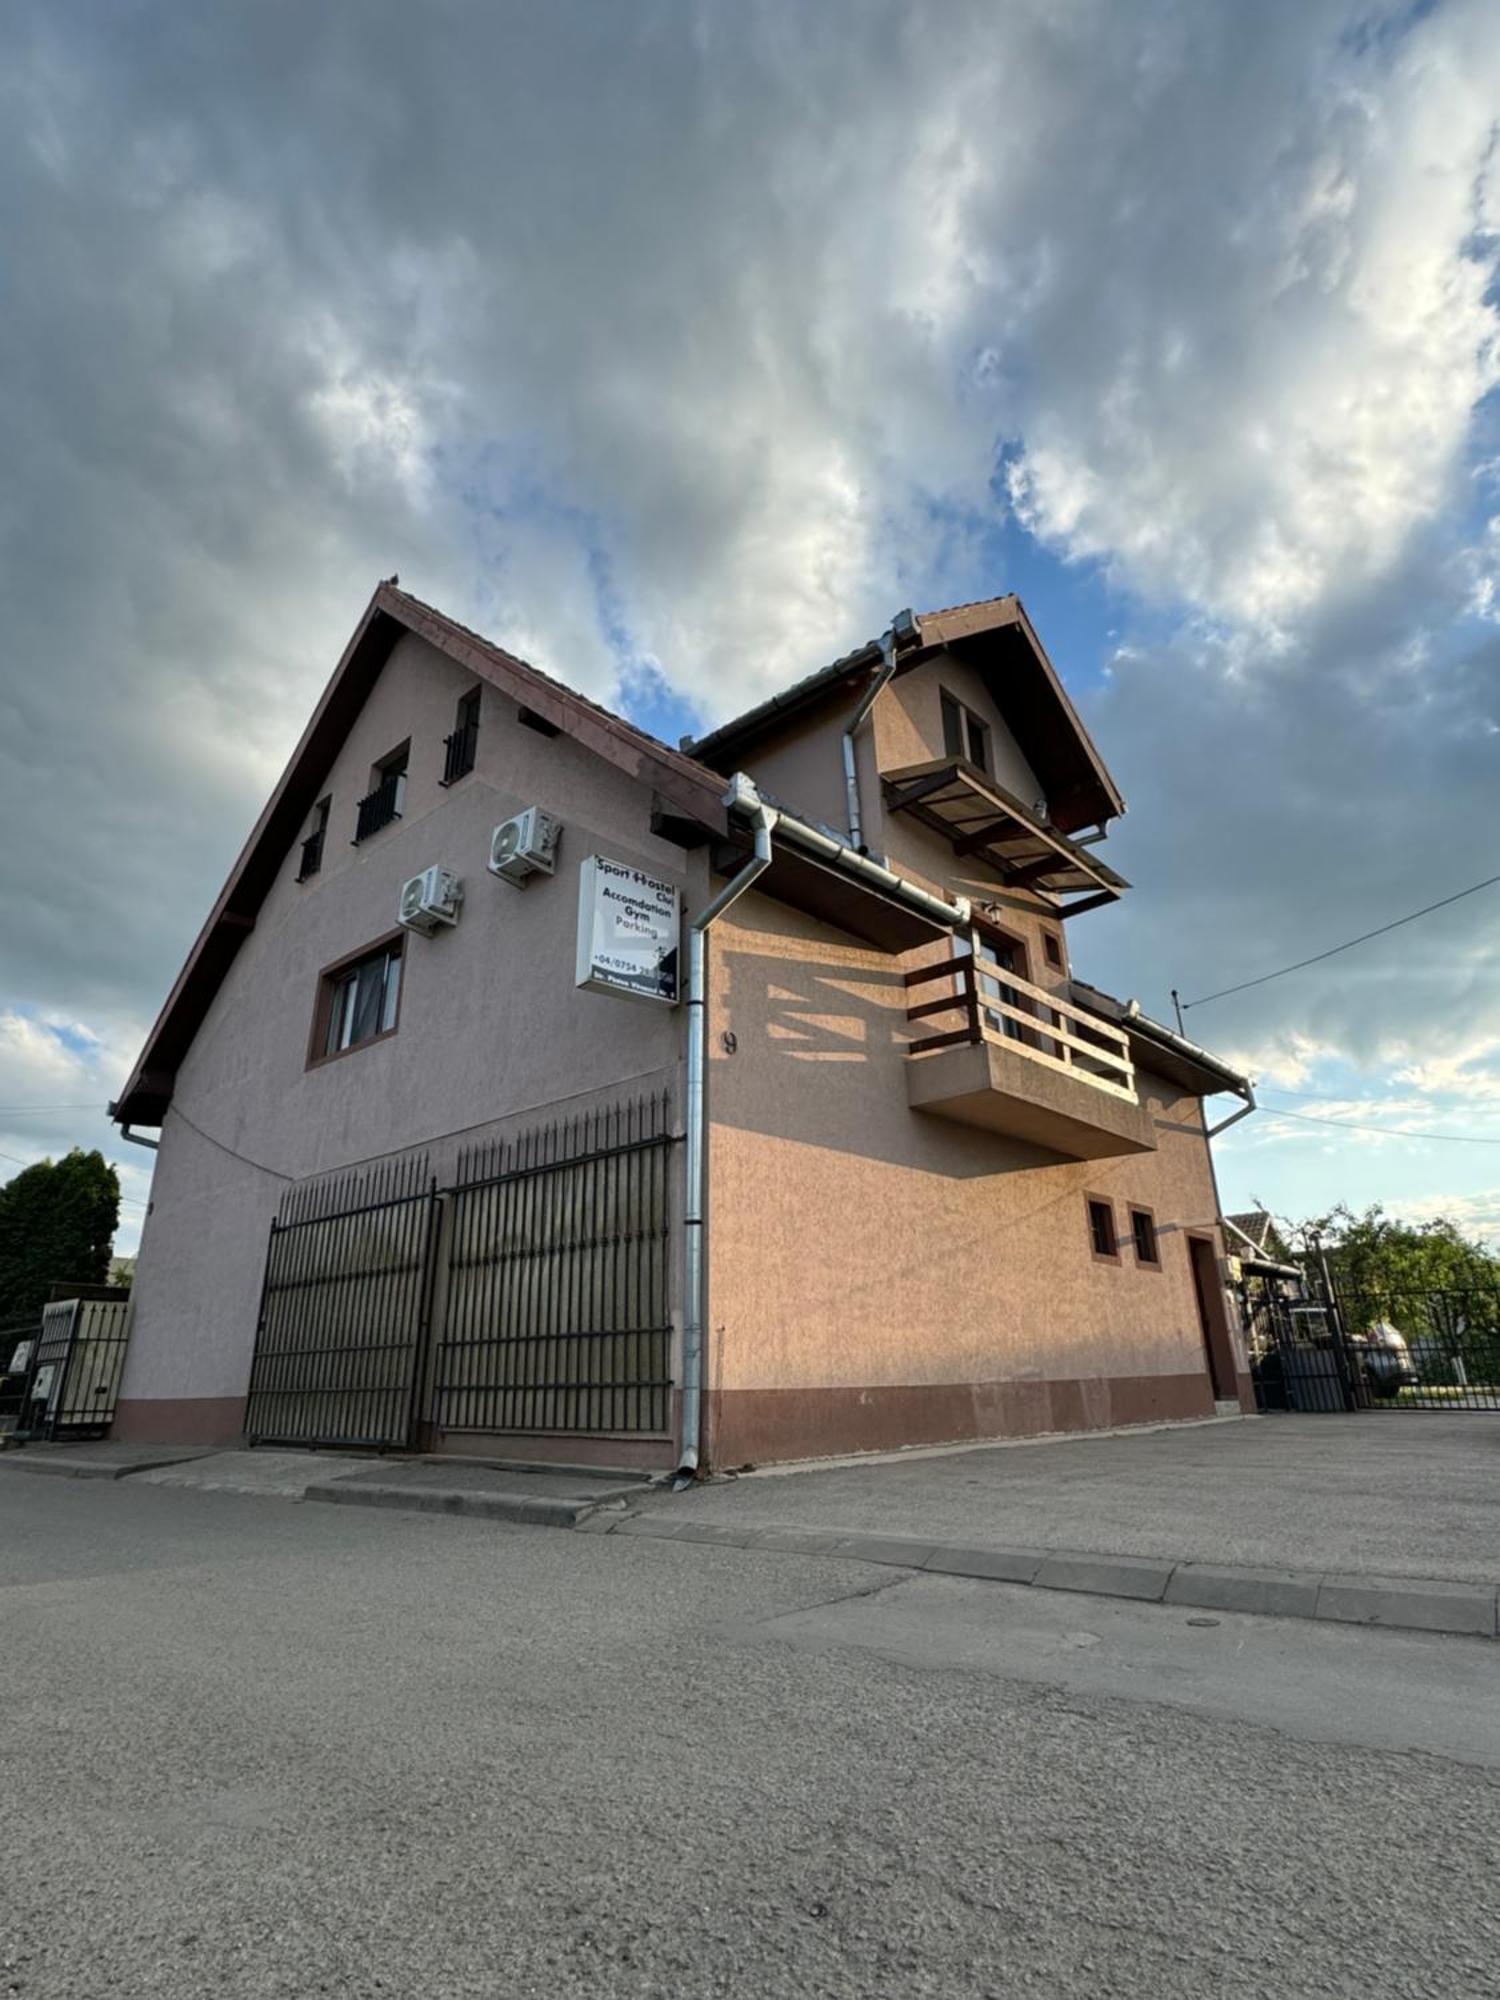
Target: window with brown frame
column 359, row 1000
column 1143, row 1232
column 1102, row 1238
column 964, row 735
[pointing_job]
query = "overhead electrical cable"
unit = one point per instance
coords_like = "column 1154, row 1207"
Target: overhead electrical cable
column 1333, row 951
column 1384, row 1131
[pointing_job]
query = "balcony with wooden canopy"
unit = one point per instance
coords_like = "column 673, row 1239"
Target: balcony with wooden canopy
column 983, row 821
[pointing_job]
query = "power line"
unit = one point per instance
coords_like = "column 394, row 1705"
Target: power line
column 1334, row 950
column 1384, row 1131
column 25, row 1110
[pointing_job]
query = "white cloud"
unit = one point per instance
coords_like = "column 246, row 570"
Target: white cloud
column 701, row 338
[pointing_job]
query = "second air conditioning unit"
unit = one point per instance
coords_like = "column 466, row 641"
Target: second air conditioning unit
column 525, row 845
column 429, row 900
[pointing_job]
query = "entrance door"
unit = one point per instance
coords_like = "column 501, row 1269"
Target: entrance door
column 1211, row 1318
column 995, row 953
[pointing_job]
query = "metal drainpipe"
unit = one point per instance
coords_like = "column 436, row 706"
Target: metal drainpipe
column 153, row 1145
column 764, row 820
column 903, row 626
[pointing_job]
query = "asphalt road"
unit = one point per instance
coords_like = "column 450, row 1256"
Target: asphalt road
column 257, row 1748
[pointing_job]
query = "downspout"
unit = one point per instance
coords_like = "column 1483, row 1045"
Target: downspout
column 763, row 819
column 903, row 627
column 746, row 803
column 1249, row 1105
column 154, row 1145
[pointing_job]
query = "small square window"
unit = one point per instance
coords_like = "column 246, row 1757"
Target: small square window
column 358, row 1001
column 1143, row 1231
column 1102, row 1230
column 1052, row 945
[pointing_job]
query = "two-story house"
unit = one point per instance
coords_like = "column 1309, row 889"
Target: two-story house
column 536, row 1089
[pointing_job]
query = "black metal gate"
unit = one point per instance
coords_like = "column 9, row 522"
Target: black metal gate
column 1337, row 1348
column 345, row 1308
column 557, row 1313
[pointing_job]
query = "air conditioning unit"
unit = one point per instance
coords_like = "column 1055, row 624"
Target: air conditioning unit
column 525, row 845
column 429, row 900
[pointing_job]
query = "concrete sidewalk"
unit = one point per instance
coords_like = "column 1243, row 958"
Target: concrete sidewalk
column 1409, row 1493
column 1380, row 1520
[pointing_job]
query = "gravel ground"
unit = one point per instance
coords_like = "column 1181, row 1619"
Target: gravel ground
column 261, row 1749
column 1411, row 1493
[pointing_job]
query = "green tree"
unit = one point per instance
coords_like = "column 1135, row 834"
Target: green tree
column 1440, row 1288
column 57, row 1221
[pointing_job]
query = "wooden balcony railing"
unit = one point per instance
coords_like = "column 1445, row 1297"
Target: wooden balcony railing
column 989, row 1004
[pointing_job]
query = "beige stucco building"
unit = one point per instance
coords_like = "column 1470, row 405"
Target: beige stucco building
column 449, row 1183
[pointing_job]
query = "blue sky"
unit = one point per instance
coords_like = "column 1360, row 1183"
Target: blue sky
column 677, row 345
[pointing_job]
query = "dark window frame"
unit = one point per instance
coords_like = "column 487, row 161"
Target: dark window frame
column 460, row 750
column 1091, row 1202
column 964, row 732
column 395, row 764
column 1052, row 949
column 392, row 944
column 312, row 846
column 1138, row 1213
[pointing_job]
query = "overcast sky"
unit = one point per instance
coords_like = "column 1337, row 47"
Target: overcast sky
column 676, row 345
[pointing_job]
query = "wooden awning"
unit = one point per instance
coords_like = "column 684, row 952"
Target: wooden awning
column 986, row 822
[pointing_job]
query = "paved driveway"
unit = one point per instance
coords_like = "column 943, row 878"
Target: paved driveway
column 1397, row 1494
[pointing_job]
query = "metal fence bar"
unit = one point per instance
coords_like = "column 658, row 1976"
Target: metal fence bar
column 557, row 1314
column 345, row 1309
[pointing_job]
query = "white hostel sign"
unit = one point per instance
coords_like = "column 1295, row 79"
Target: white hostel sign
column 628, row 926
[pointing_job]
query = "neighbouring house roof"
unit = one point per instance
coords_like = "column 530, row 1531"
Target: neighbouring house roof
column 1261, row 1228
column 690, row 792
column 996, row 637
column 1157, row 1048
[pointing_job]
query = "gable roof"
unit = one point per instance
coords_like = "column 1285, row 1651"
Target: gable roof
column 998, row 640
column 690, row 790
column 1262, row 1232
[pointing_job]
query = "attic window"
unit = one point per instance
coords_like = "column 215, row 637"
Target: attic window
column 312, row 847
column 459, row 748
column 964, row 735
column 387, row 794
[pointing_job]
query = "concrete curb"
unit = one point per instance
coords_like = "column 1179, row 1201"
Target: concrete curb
column 524, row 1512
column 59, row 1467
column 1414, row 1604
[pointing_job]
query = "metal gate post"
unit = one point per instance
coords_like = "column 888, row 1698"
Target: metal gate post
column 421, row 1361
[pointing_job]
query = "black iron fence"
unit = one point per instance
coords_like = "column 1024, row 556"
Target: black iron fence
column 553, row 1313
column 1426, row 1349
column 557, row 1313
column 1323, row 1347
column 17, row 1344
column 345, row 1307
